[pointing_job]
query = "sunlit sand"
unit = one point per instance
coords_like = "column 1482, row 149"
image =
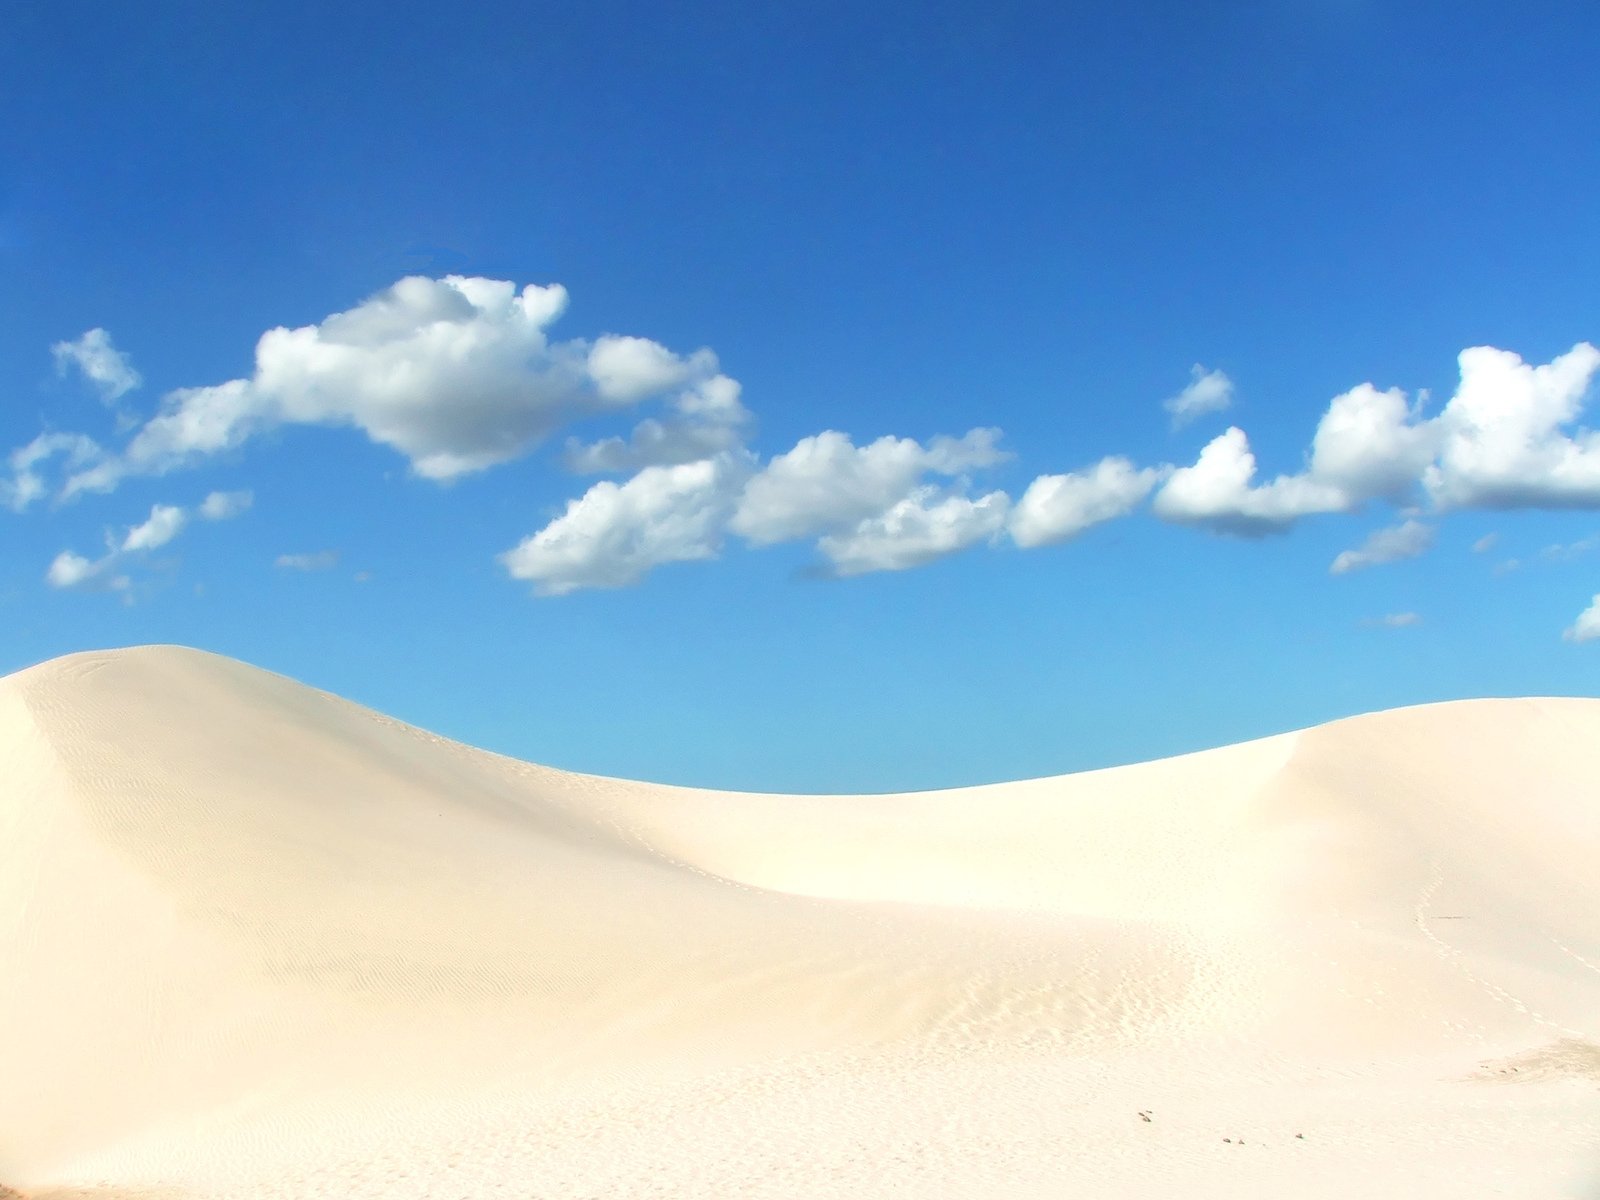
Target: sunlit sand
column 258, row 941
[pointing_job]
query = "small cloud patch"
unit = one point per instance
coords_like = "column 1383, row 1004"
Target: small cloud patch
column 321, row 560
column 1207, row 392
column 94, row 357
column 1587, row 627
column 1401, row 620
column 1408, row 540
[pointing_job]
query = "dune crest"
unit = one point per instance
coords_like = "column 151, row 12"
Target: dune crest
column 260, row 941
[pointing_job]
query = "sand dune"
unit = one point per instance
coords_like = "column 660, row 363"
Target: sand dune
column 256, row 941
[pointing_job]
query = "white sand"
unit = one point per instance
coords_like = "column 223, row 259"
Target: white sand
column 256, row 941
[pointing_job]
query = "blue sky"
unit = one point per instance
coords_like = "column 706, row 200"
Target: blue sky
column 811, row 398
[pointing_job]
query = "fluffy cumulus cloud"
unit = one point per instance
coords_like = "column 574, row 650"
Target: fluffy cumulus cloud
column 1219, row 492
column 460, row 374
column 1506, row 439
column 614, row 533
column 1058, row 507
column 826, row 483
column 101, row 363
column 1370, row 444
column 915, row 530
column 625, row 370
column 1587, row 627
column 70, row 569
column 1409, row 539
column 706, row 419
column 1509, row 436
column 457, row 374
column 871, row 508
column 1207, row 392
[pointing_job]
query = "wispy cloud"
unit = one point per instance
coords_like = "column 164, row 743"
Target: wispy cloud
column 101, row 363
column 70, row 569
column 321, row 560
column 1400, row 620
column 1409, row 539
column 26, row 464
column 1567, row 551
column 1207, row 392
column 220, row 506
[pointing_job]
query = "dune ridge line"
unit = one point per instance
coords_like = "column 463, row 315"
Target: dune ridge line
column 257, row 940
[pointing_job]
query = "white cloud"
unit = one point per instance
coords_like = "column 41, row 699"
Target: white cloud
column 457, row 374
column 614, row 534
column 1409, row 539
column 1587, row 627
column 101, row 363
column 322, row 560
column 1486, row 543
column 165, row 522
column 1058, row 507
column 1368, row 445
column 972, row 451
column 707, row 420
column 626, row 370
column 1371, row 445
column 870, row 503
column 72, row 570
column 220, row 506
column 1207, row 392
column 1505, row 440
column 1500, row 442
column 914, row 531
column 26, row 484
column 1218, row 492
column 1567, row 551
column 875, row 504
column 1400, row 620
column 827, row 483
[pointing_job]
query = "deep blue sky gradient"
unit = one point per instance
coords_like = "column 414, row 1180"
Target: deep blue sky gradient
column 884, row 221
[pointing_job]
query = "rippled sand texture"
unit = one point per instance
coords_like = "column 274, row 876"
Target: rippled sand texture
column 257, row 941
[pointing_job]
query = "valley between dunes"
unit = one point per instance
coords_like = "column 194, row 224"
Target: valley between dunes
column 257, row 941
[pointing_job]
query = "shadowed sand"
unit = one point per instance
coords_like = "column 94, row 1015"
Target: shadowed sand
column 257, row 941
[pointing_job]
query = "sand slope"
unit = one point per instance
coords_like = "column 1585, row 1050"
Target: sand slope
column 258, row 941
